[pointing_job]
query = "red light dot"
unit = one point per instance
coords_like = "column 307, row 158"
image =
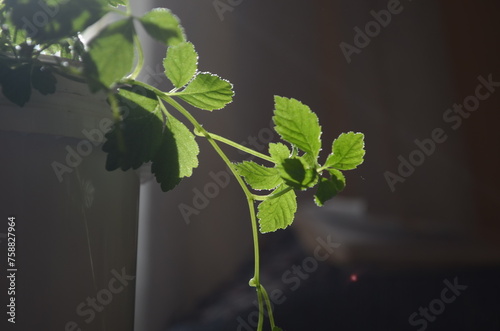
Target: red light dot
column 353, row 278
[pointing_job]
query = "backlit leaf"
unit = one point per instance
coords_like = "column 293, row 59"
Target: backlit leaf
column 181, row 63
column 297, row 173
column 163, row 26
column 277, row 212
column 177, row 156
column 259, row 177
column 110, row 55
column 137, row 137
column 207, row 91
column 347, row 151
column 297, row 124
column 279, row 152
column 328, row 188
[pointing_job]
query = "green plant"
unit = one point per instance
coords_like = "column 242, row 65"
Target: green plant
column 147, row 130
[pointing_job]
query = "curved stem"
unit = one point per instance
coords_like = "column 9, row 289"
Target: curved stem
column 114, row 106
column 116, row 116
column 272, row 195
column 269, row 307
column 140, row 58
column 127, row 12
column 241, row 147
column 255, row 281
column 260, row 324
column 251, row 198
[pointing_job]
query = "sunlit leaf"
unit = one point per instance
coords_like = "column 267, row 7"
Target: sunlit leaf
column 207, row 91
column 110, row 54
column 347, row 151
column 279, row 152
column 277, row 212
column 258, row 176
column 297, row 124
column 181, row 63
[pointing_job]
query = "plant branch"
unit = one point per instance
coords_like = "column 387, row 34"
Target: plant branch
column 269, row 307
column 240, row 147
column 261, row 308
column 116, row 116
column 255, row 281
column 140, row 58
column 272, row 195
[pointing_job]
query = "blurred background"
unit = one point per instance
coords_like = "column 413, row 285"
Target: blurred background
column 421, row 80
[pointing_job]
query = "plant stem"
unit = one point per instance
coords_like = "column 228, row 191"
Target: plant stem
column 140, row 58
column 260, row 324
column 269, row 307
column 272, row 195
column 116, row 116
column 255, row 281
column 251, row 198
column 226, row 160
column 241, row 147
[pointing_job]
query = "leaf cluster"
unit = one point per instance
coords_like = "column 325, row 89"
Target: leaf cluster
column 147, row 132
column 31, row 28
column 296, row 168
column 145, row 129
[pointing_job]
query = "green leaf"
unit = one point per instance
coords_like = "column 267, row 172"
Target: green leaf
column 207, row 91
column 116, row 3
column 347, row 151
column 328, row 188
column 279, row 152
column 181, row 63
column 43, row 80
column 177, row 156
column 163, row 26
column 16, row 84
column 297, row 173
column 110, row 54
column 258, row 176
column 277, row 329
column 138, row 136
column 52, row 20
column 338, row 178
column 297, row 124
column 277, row 212
column 10, row 34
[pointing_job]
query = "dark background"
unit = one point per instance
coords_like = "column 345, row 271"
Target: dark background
column 440, row 223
